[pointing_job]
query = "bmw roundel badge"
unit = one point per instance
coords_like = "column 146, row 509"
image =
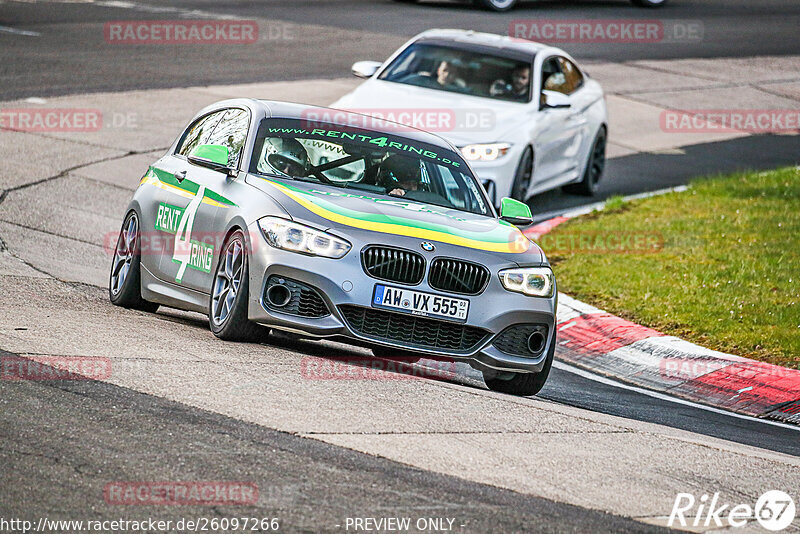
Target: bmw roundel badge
column 427, row 246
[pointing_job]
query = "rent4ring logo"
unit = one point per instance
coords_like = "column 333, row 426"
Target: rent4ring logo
column 774, row 511
column 187, row 252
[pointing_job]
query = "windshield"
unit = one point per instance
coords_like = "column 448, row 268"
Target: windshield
column 363, row 160
column 460, row 71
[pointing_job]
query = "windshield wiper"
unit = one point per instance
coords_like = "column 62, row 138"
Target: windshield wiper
column 309, row 179
column 322, row 178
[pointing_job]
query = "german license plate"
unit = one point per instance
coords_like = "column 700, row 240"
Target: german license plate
column 420, row 303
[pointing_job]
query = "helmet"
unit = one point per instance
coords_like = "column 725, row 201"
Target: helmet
column 398, row 169
column 287, row 157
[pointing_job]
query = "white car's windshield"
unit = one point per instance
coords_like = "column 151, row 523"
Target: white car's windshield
column 375, row 162
column 460, row 71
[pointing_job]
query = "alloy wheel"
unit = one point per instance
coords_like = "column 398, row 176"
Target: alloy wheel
column 598, row 162
column 227, row 282
column 124, row 253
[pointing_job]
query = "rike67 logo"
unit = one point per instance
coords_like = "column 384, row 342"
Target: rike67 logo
column 774, row 511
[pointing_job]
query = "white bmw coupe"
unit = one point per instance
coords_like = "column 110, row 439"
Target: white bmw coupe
column 525, row 116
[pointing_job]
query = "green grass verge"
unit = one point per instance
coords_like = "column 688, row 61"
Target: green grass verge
column 718, row 264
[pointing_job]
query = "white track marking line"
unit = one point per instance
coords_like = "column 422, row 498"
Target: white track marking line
column 577, row 211
column 661, row 396
column 184, row 13
column 14, row 31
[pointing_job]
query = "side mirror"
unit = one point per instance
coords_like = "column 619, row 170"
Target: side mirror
column 214, row 157
column 554, row 100
column 365, row 69
column 515, row 212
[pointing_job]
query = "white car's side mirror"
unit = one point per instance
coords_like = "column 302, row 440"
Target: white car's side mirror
column 365, row 69
column 554, row 100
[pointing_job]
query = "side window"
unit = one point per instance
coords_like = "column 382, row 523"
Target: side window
column 553, row 79
column 574, row 78
column 199, row 132
column 231, row 132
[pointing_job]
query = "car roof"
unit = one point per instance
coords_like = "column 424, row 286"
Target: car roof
column 291, row 110
column 469, row 39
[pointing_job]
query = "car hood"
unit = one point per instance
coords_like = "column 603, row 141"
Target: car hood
column 351, row 211
column 466, row 119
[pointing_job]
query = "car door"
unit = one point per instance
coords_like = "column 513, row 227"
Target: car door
column 171, row 193
column 555, row 143
column 186, row 214
column 231, row 132
column 582, row 99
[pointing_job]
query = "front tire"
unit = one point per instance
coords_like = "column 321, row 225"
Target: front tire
column 523, row 384
column 227, row 313
column 125, row 279
column 495, row 5
column 594, row 168
column 649, row 3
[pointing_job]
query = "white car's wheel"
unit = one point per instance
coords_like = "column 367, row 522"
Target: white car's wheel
column 522, row 177
column 595, row 166
column 649, row 3
column 496, row 5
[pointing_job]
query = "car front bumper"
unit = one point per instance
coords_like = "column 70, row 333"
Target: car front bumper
column 344, row 282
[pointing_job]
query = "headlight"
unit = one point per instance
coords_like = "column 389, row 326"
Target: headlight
column 533, row 281
column 488, row 152
column 289, row 235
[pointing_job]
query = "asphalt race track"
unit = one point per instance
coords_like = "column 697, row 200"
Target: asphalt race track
column 307, row 484
column 586, row 455
column 69, row 55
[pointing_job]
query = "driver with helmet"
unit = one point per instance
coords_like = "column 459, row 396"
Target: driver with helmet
column 288, row 157
column 400, row 174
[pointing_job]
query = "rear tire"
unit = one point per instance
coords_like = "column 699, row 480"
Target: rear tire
column 125, row 279
column 227, row 307
column 523, row 384
column 522, row 177
column 495, row 5
column 649, row 3
column 594, row 168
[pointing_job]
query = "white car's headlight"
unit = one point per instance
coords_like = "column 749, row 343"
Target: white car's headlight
column 533, row 281
column 288, row 235
column 488, row 152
